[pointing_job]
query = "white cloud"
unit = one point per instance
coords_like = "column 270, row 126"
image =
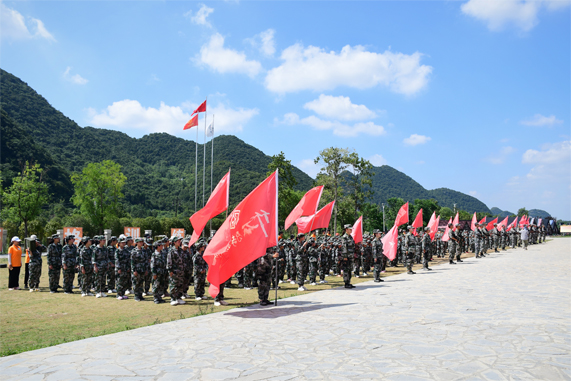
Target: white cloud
column 313, row 68
column 500, row 13
column 264, row 41
column 377, row 160
column 539, row 120
column 338, row 128
column 131, row 114
column 76, row 78
column 200, row 18
column 224, row 60
column 339, row 108
column 309, row 167
column 474, row 194
column 14, row 26
column 501, row 156
column 415, row 139
column 552, row 154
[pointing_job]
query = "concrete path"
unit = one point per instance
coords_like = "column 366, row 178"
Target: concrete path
column 506, row 316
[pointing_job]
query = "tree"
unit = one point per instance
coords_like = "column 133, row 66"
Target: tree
column 372, row 217
column 359, row 183
column 522, row 212
column 428, row 207
column 446, row 213
column 287, row 197
column 98, row 190
column 26, row 196
column 392, row 209
column 335, row 161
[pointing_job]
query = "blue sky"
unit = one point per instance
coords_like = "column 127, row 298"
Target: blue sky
column 469, row 95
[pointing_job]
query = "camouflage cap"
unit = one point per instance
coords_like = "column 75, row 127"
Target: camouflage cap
column 70, row 236
column 139, row 239
column 85, row 239
column 158, row 243
column 122, row 239
column 54, row 236
column 347, row 226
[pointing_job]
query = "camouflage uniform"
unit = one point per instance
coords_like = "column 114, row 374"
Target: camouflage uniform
column 175, row 265
column 54, row 261
column 378, row 258
column 300, row 259
column 100, row 258
column 324, row 255
column 452, row 244
column 425, row 243
column 495, row 238
column 347, row 253
column 409, row 248
column 86, row 265
column 148, row 277
column 188, row 260
column 35, row 268
column 140, row 265
column 263, row 275
column 159, row 270
column 366, row 257
column 111, row 281
column 313, row 257
column 123, row 264
column 200, row 268
column 69, row 259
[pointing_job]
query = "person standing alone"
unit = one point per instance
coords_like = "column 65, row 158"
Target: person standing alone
column 14, row 264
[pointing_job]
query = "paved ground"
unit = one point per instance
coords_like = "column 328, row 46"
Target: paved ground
column 506, row 316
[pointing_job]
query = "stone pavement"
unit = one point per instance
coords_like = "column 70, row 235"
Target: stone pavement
column 506, row 316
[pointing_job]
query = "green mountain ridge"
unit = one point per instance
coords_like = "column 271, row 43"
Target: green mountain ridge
column 155, row 164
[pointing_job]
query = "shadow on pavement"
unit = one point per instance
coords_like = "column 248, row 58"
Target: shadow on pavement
column 284, row 308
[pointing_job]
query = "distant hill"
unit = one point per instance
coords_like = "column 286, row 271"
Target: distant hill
column 389, row 182
column 538, row 213
column 155, row 164
column 501, row 213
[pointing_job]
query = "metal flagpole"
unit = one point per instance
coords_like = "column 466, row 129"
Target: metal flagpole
column 195, row 169
column 211, row 163
column 204, row 162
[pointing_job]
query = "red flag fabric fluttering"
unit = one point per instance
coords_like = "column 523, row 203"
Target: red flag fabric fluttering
column 319, row 220
column 483, row 220
column 193, row 122
column 432, row 225
column 248, row 231
column 357, row 232
column 456, row 220
column 474, row 220
column 512, row 225
column 201, row 108
column 504, row 223
column 435, row 229
column 402, row 215
column 217, row 203
column 307, row 206
column 490, row 225
column 418, row 220
column 390, row 243
column 446, row 236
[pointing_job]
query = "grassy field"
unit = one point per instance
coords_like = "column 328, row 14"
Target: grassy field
column 41, row 319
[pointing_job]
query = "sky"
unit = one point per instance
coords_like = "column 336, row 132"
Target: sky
column 469, row 95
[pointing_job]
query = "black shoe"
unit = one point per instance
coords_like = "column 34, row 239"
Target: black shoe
column 411, row 272
column 137, row 299
column 429, row 269
column 351, row 286
column 452, row 262
column 263, row 303
column 377, row 281
column 459, row 260
column 156, row 301
column 59, row 286
column 240, row 285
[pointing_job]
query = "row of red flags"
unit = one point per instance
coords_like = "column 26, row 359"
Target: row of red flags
column 193, row 122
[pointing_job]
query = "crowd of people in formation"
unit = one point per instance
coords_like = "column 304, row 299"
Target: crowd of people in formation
column 168, row 267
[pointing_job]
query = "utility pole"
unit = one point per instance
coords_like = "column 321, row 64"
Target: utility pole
column 383, row 205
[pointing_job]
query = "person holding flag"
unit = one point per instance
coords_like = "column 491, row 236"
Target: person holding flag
column 410, row 244
column 379, row 259
column 495, row 237
column 347, row 254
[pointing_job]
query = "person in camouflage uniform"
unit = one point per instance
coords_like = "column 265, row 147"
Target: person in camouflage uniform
column 86, row 267
column 100, row 261
column 477, row 239
column 495, row 237
column 324, row 256
column 300, row 259
column 148, row 250
column 409, row 249
column 378, row 256
column 130, row 246
column 188, row 261
column 367, row 256
column 312, row 257
column 123, row 268
column 263, row 275
column 248, row 276
column 276, row 266
column 425, row 243
column 459, row 242
column 452, row 244
column 175, row 267
column 357, row 255
column 111, row 281
column 139, row 268
column 69, row 263
column 347, row 254
column 159, row 271
column 54, row 263
column 200, row 268
column 35, row 266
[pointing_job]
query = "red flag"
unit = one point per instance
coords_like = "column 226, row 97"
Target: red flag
column 390, row 243
column 524, row 220
column 307, row 206
column 504, row 223
column 201, row 108
column 357, row 232
column 431, row 225
column 217, row 203
column 319, row 220
column 474, row 220
column 248, row 231
column 456, row 220
column 490, row 225
column 191, row 123
column 418, row 220
column 402, row 216
column 512, row 225
column 435, row 228
column 483, row 220
column 446, row 236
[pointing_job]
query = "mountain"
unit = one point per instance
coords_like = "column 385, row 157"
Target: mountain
column 538, row 213
column 155, row 164
column 501, row 213
column 389, row 182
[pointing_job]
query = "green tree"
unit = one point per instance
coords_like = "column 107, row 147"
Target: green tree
column 98, row 190
column 522, row 212
column 372, row 217
column 392, row 209
column 26, row 196
column 446, row 213
column 334, row 161
column 287, row 196
column 359, row 183
column 428, row 207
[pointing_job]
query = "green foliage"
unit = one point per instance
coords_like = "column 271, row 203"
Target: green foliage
column 446, row 213
column 538, row 213
column 522, row 212
column 288, row 197
column 24, row 199
column 428, row 207
column 391, row 210
column 358, row 183
column 372, row 217
column 98, row 191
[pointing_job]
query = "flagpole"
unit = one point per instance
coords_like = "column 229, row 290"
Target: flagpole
column 204, row 162
column 211, row 164
column 196, row 169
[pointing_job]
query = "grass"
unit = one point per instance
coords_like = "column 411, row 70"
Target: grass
column 36, row 320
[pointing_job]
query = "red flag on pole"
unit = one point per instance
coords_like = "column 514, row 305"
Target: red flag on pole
column 248, row 231
column 217, row 203
column 319, row 220
column 446, row 236
column 512, row 225
column 504, row 223
column 307, row 206
column 434, row 229
column 483, row 220
column 201, row 108
column 357, row 232
column 490, row 225
column 390, row 243
column 474, row 220
column 193, row 122
column 456, row 220
column 402, row 216
column 417, row 221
